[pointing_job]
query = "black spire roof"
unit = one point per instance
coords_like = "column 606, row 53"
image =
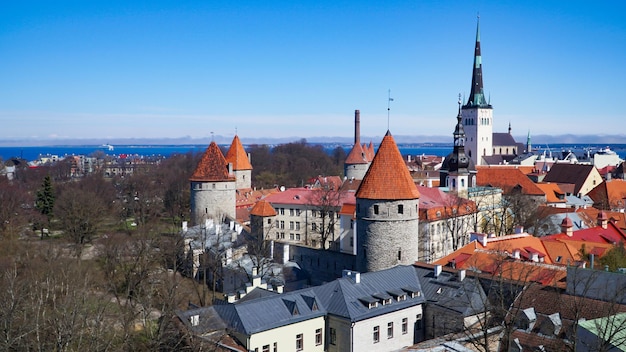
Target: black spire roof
column 477, row 94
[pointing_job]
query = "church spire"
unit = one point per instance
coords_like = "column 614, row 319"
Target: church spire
column 477, row 94
column 459, row 161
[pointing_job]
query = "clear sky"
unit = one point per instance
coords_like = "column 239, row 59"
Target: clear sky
column 147, row 69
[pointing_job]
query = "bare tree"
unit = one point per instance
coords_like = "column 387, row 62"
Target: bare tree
column 324, row 203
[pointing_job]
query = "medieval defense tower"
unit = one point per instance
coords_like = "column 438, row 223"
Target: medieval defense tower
column 387, row 203
column 212, row 188
column 240, row 164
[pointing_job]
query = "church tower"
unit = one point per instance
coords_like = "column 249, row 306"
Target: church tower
column 387, row 212
column 212, row 188
column 240, row 163
column 478, row 113
column 458, row 163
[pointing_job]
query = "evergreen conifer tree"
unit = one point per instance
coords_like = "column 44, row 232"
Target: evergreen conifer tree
column 45, row 200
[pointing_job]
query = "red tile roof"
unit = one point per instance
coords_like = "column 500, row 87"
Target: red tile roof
column 387, row 177
column 609, row 194
column 612, row 234
column 507, row 178
column 212, row 166
column 307, row 196
column 237, row 156
column 357, row 155
column 434, row 201
column 263, row 208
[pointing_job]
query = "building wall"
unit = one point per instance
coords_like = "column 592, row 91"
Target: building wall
column 479, row 135
column 303, row 220
column 285, row 336
column 363, row 331
column 437, row 236
column 243, row 178
column 355, row 171
column 347, row 234
column 386, row 238
column 210, row 200
column 591, row 182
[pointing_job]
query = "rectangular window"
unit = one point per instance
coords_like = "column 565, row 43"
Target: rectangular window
column 405, row 325
column 298, row 225
column 400, row 209
column 269, row 221
column 291, row 236
column 418, row 321
column 298, row 212
column 291, row 225
column 282, row 224
column 297, row 237
column 333, row 336
column 376, row 209
column 351, row 241
column 266, row 348
column 389, row 330
column 291, row 212
column 318, row 337
column 376, row 334
column 275, row 346
column 313, row 226
column 299, row 342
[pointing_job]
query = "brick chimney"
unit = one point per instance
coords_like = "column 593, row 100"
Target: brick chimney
column 357, row 126
column 603, row 220
column 567, row 227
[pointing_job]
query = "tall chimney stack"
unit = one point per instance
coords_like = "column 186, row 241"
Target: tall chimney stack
column 357, row 127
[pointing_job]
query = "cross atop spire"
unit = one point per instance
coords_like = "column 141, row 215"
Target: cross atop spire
column 477, row 94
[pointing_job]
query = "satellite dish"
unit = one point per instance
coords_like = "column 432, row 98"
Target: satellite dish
column 282, row 188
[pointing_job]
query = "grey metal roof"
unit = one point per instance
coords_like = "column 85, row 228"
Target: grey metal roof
column 344, row 297
column 465, row 297
column 269, row 312
column 503, row 139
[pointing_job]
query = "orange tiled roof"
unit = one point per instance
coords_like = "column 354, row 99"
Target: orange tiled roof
column 237, row 156
column 212, row 166
column 552, row 192
column 387, row 177
column 507, row 178
column 357, row 155
column 263, row 208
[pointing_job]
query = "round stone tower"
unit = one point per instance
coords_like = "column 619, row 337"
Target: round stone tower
column 212, row 188
column 387, row 211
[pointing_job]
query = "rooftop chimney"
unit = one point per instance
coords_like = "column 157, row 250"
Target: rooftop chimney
column 603, row 220
column 437, row 270
column 357, row 127
column 354, row 275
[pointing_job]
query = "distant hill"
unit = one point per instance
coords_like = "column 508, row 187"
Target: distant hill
column 536, row 140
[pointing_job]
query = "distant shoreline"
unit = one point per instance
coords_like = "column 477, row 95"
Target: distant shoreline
column 540, row 139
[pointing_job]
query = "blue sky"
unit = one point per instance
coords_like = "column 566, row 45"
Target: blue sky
column 149, row 69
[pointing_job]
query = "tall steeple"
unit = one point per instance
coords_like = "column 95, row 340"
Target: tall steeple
column 478, row 113
column 529, row 146
column 459, row 161
column 477, row 94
